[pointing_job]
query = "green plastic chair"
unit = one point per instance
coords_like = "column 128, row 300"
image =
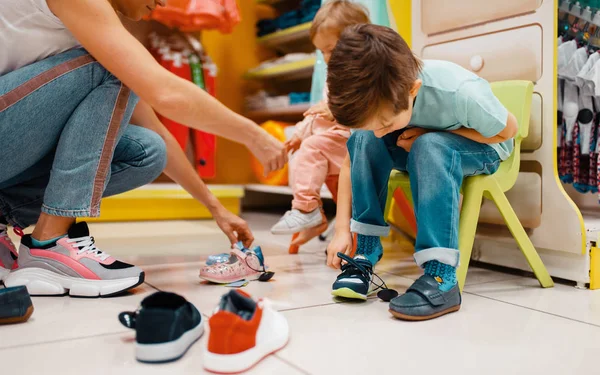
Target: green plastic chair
column 516, row 97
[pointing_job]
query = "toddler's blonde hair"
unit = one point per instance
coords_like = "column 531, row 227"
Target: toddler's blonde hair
column 336, row 15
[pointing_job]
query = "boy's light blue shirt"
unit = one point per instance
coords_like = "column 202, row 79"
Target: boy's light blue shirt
column 452, row 97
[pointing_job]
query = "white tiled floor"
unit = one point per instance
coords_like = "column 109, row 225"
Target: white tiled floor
column 507, row 324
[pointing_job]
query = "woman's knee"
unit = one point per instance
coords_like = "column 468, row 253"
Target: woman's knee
column 143, row 148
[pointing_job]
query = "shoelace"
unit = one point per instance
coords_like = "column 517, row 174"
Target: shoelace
column 87, row 245
column 352, row 266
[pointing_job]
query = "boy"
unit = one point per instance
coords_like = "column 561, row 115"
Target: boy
column 433, row 119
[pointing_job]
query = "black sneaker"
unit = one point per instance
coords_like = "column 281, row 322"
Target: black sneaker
column 355, row 280
column 15, row 305
column 166, row 326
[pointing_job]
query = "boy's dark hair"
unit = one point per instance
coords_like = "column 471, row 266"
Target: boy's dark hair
column 370, row 66
column 336, row 15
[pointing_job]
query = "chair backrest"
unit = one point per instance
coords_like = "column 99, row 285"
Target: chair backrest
column 516, row 96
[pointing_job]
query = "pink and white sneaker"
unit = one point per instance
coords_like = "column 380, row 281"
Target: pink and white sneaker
column 73, row 265
column 242, row 265
column 8, row 253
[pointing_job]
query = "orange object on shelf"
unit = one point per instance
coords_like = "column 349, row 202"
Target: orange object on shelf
column 276, row 178
column 197, row 15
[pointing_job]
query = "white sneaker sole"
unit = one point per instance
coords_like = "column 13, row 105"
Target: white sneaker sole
column 241, row 362
column 42, row 282
column 229, row 281
column 169, row 351
column 307, row 225
column 3, row 273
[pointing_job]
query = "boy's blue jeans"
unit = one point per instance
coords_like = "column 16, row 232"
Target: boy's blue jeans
column 436, row 164
column 65, row 139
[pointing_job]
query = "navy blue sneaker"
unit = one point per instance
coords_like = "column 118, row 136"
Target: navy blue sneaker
column 355, row 280
column 15, row 305
column 166, row 327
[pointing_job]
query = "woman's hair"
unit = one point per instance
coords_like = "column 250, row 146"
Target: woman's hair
column 336, row 15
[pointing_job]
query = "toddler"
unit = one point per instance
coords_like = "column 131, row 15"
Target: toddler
column 433, row 119
column 320, row 142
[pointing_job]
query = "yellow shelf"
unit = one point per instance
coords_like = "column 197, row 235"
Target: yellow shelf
column 293, row 112
column 295, row 32
column 165, row 202
column 293, row 70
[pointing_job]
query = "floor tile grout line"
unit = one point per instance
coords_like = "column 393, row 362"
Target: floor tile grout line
column 496, row 281
column 64, row 340
column 291, row 364
column 532, row 309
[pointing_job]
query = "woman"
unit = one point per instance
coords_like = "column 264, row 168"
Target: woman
column 66, row 139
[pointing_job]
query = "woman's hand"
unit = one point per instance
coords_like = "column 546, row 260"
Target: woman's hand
column 234, row 227
column 321, row 110
column 293, row 144
column 271, row 153
column 407, row 138
column 341, row 243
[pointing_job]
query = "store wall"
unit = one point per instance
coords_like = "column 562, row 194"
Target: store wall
column 235, row 54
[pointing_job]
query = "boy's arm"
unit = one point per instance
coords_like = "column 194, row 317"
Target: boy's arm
column 344, row 198
column 483, row 117
column 509, row 132
column 342, row 241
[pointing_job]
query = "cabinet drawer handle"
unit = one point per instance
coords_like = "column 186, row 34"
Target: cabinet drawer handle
column 476, row 63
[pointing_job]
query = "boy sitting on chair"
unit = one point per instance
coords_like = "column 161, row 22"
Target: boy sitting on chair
column 433, row 119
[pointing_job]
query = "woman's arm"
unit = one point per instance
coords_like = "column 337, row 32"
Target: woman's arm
column 97, row 27
column 181, row 171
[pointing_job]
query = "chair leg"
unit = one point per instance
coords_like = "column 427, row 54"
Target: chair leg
column 518, row 232
column 469, row 216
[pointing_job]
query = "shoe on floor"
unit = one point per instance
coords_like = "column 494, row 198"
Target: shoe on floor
column 15, row 305
column 166, row 326
column 424, row 300
column 223, row 257
column 243, row 264
column 8, row 253
column 72, row 265
column 295, row 221
column 242, row 333
column 355, row 280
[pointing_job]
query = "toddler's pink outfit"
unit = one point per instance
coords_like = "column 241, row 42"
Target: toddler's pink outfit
column 321, row 154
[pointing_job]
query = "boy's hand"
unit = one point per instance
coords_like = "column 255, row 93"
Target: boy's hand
column 293, row 144
column 406, row 139
column 341, row 243
column 321, row 110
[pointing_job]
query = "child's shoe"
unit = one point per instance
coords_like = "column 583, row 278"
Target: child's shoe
column 242, row 333
column 355, row 280
column 166, row 327
column 424, row 300
column 15, row 305
column 241, row 264
column 8, row 253
column 295, row 221
column 224, row 257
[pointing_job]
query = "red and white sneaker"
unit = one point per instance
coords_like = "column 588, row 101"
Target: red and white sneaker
column 242, row 332
column 72, row 265
column 8, row 253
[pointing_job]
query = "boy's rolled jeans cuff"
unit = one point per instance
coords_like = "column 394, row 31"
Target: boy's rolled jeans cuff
column 444, row 255
column 369, row 229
